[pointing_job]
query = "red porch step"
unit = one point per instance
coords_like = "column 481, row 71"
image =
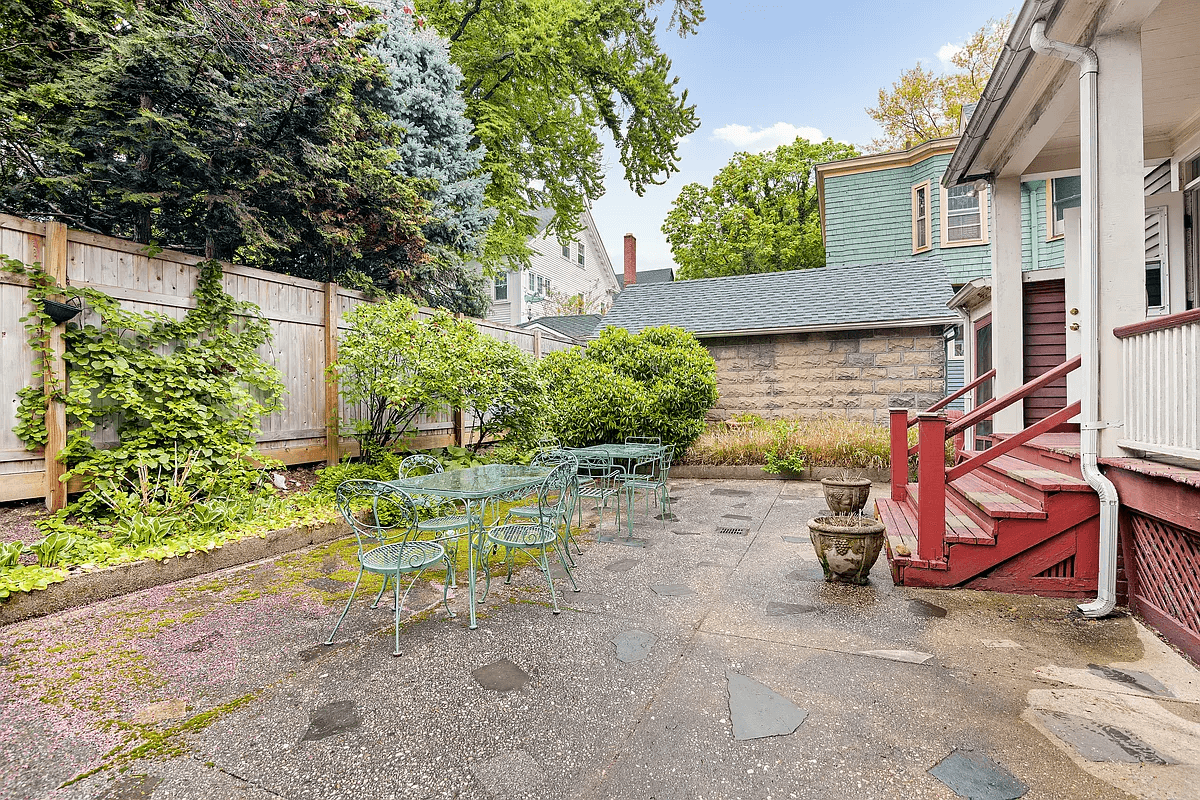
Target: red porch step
column 1014, row 525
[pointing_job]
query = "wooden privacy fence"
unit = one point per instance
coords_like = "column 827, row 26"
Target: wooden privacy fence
column 305, row 318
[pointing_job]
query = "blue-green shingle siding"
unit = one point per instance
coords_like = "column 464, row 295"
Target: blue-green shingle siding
column 868, row 219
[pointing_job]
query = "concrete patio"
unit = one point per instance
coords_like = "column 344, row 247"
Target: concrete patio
column 219, row 688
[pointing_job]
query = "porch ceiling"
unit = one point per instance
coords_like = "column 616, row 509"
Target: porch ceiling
column 1036, row 130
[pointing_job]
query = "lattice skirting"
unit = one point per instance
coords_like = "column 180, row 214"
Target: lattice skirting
column 1167, row 560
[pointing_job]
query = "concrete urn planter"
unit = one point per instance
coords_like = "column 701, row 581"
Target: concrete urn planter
column 846, row 495
column 847, row 546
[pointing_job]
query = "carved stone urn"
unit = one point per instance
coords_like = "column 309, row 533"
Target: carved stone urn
column 847, row 545
column 846, row 495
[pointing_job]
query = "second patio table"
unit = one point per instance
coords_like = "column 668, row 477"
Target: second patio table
column 474, row 486
column 622, row 452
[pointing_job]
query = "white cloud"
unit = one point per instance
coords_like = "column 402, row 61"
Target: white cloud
column 947, row 52
column 744, row 138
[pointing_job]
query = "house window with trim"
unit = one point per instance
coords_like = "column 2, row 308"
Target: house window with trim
column 921, row 227
column 1157, row 300
column 1063, row 193
column 964, row 216
column 567, row 251
column 500, row 288
column 579, row 253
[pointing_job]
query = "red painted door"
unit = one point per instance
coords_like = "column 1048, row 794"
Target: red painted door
column 1045, row 346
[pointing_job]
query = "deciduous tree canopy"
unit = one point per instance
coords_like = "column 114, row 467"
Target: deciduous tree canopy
column 759, row 215
column 924, row 105
column 541, row 78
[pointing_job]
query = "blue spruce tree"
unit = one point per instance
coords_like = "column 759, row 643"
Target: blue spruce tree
column 423, row 101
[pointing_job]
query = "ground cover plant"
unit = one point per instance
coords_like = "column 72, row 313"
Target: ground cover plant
column 658, row 382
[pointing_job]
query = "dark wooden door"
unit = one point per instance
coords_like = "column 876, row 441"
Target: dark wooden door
column 1045, row 346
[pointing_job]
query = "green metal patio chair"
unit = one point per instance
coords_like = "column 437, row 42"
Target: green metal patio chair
column 548, row 443
column 554, row 496
column 553, row 458
column 384, row 520
column 599, row 480
column 446, row 519
column 643, row 440
column 653, row 475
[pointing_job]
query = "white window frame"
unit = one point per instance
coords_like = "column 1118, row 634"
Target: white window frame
column 916, row 221
column 1164, row 271
column 566, row 251
column 1052, row 233
column 983, row 221
column 498, row 285
column 579, row 254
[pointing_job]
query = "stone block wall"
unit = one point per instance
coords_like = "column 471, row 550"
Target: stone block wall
column 850, row 374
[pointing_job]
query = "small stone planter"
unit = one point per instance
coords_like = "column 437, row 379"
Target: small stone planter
column 847, row 546
column 846, row 495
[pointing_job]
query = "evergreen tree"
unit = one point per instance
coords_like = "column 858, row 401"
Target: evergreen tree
column 434, row 143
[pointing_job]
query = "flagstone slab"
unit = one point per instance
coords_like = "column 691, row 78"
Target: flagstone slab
column 758, row 711
column 500, row 676
column 975, row 776
column 633, row 645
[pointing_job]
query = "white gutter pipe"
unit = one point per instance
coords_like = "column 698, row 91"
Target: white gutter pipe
column 1090, row 425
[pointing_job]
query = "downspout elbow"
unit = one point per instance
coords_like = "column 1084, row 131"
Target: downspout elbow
column 1085, row 57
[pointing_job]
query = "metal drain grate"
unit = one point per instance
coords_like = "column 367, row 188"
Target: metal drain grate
column 735, row 531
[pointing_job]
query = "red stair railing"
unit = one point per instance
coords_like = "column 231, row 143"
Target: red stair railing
column 933, row 429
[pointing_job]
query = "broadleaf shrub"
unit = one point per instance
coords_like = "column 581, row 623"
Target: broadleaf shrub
column 659, row 382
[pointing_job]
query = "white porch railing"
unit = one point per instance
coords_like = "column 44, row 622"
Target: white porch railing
column 1162, row 385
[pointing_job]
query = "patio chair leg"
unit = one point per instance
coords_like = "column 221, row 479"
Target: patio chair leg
column 446, row 595
column 567, row 568
column 346, row 610
column 382, row 589
column 510, row 555
column 399, row 605
column 545, row 565
column 452, row 565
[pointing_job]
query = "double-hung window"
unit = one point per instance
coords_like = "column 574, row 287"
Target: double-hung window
column 566, row 250
column 579, row 253
column 500, row 288
column 1064, row 193
column 921, row 227
column 1157, row 301
column 964, row 216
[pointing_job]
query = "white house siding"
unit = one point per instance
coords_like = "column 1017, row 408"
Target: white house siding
column 594, row 279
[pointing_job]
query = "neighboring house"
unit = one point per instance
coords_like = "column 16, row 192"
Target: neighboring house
column 834, row 341
column 579, row 268
column 664, row 275
column 893, row 207
column 1108, row 201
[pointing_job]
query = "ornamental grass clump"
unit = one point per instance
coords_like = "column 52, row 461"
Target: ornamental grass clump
column 792, row 445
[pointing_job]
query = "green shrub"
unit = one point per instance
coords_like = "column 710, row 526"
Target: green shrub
column 659, row 382
column 501, row 393
column 393, row 365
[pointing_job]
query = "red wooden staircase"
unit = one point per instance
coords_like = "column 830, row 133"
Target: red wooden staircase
column 1016, row 517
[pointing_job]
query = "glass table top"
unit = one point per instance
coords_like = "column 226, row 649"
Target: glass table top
column 475, row 482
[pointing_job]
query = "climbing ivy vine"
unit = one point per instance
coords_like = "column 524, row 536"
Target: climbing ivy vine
column 184, row 396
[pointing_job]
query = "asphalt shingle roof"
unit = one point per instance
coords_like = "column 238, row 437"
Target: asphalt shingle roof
column 576, row 326
column 664, row 275
column 826, row 297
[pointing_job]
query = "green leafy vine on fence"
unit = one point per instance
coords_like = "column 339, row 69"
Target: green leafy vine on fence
column 175, row 403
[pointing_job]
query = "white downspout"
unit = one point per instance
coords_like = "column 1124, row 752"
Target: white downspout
column 1089, row 67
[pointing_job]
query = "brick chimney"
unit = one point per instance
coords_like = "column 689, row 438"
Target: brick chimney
column 630, row 260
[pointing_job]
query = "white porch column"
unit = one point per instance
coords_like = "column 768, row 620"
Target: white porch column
column 1008, row 320
column 1122, row 216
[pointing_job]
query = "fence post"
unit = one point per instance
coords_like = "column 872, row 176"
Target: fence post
column 931, row 486
column 537, row 345
column 332, row 427
column 54, row 373
column 898, row 427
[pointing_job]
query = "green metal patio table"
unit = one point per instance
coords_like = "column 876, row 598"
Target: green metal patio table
column 475, row 487
column 621, row 452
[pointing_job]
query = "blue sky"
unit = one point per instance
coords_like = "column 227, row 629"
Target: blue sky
column 761, row 73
